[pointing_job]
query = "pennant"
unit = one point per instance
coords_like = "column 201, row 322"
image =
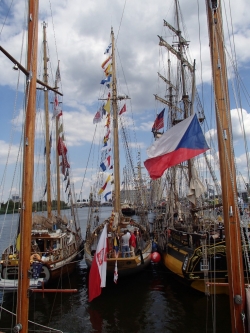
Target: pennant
column 105, row 164
column 97, row 117
column 103, row 110
column 59, row 114
column 107, row 70
column 58, row 74
column 107, row 106
column 180, row 143
column 68, row 183
column 106, row 61
column 159, row 121
column 107, row 136
column 61, row 148
column 107, row 120
column 115, row 273
column 66, row 175
column 106, row 195
column 123, row 109
column 60, row 129
column 107, row 80
column 108, row 48
column 104, row 186
column 106, row 146
column 98, row 270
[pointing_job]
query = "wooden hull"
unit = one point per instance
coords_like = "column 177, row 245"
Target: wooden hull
column 188, row 266
column 126, row 266
column 174, row 263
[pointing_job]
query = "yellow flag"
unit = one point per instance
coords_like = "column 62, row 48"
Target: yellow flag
column 104, row 186
column 107, row 106
column 108, row 70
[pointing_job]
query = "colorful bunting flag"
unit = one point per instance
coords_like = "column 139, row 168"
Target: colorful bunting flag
column 123, row 109
column 61, row 148
column 108, row 48
column 97, row 117
column 107, row 71
column 106, row 61
column 106, row 195
column 104, row 186
column 105, row 164
column 107, row 80
column 58, row 74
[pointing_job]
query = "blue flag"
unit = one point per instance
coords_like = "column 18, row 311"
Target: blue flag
column 106, row 195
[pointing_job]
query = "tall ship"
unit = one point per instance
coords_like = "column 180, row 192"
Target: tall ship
column 117, row 224
column 202, row 234
column 56, row 243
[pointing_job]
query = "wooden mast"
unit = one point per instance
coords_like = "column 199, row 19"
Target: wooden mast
column 57, row 158
column 22, row 310
column 227, row 168
column 117, row 203
column 46, row 109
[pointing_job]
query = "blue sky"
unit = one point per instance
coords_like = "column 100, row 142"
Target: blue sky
column 78, row 35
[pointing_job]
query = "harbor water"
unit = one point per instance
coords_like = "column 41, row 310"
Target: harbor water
column 151, row 301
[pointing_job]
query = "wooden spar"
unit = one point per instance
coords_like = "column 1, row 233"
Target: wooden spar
column 46, row 109
column 26, row 72
column 62, row 291
column 117, row 204
column 22, row 311
column 227, row 168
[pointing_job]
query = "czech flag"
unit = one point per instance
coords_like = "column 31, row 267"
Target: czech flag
column 180, row 143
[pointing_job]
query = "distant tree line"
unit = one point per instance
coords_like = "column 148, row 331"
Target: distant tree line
column 38, row 206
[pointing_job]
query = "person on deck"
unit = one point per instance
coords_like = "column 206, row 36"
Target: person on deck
column 116, row 245
column 125, row 244
column 132, row 243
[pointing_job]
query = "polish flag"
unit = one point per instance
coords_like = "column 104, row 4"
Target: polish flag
column 98, row 270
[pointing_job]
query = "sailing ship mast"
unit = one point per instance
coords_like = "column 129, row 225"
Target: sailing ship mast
column 117, row 199
column 28, row 170
column 227, row 168
column 46, row 109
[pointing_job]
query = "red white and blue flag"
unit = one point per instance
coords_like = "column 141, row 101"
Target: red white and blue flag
column 98, row 270
column 159, row 121
column 180, row 143
column 105, row 164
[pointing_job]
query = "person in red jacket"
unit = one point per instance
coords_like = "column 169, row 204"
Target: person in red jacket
column 132, row 243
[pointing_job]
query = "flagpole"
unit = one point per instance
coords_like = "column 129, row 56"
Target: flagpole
column 117, row 201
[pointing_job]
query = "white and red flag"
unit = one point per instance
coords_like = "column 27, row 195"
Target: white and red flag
column 98, row 270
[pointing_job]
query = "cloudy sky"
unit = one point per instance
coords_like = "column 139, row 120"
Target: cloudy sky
column 78, row 33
